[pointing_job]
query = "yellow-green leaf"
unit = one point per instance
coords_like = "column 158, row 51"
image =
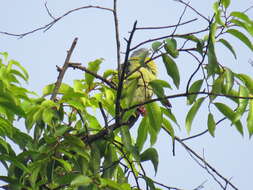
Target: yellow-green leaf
column 192, row 113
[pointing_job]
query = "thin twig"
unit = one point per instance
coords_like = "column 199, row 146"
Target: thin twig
column 48, row 11
column 197, row 12
column 166, row 27
column 205, row 162
column 103, row 114
column 116, row 26
column 63, row 70
column 49, row 25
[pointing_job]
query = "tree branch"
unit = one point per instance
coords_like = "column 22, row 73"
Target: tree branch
column 63, row 70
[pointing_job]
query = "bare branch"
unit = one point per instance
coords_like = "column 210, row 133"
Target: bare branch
column 166, row 27
column 197, row 12
column 116, row 26
column 49, row 25
column 63, row 70
column 48, row 11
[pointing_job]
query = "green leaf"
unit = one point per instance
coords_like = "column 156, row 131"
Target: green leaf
column 155, row 115
column 247, row 26
column 242, row 16
column 150, row 183
column 241, row 37
column 217, row 86
column 156, row 46
column 81, row 180
column 170, row 115
column 229, row 80
column 211, row 124
column 171, row 47
column 168, row 127
column 142, row 133
column 67, row 166
column 212, row 65
column 217, row 12
column 94, row 67
column 228, row 45
column 250, row 118
column 64, row 88
column 192, row 113
column 152, row 155
column 243, row 92
column 172, row 69
column 229, row 113
column 126, row 138
column 14, row 161
column 25, row 73
column 225, row 3
column 195, row 87
column 247, row 80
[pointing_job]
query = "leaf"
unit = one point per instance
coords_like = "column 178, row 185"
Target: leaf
column 154, row 116
column 171, row 47
column 229, row 79
column 172, row 69
column 152, row 155
column 241, row 37
column 228, row 45
column 217, row 86
column 247, row 26
column 167, row 125
column 195, row 87
column 247, row 80
column 212, row 65
column 94, row 67
column 170, row 115
column 229, row 113
column 242, row 16
column 81, row 180
column 150, row 183
column 15, row 161
column 211, row 124
column 250, row 118
column 67, row 166
column 218, row 13
column 225, row 3
column 191, row 114
column 64, row 88
column 142, row 133
column 126, row 138
column 156, row 46
column 243, row 92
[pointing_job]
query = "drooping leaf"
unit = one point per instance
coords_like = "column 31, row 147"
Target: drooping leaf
column 168, row 127
column 229, row 80
column 142, row 133
column 243, row 92
column 170, row 115
column 229, row 113
column 171, row 47
column 212, row 65
column 211, row 124
column 195, row 87
column 217, row 86
column 171, row 69
column 66, row 165
column 228, row 45
column 242, row 16
column 154, row 115
column 152, row 155
column 250, row 118
column 242, row 37
column 192, row 113
column 247, row 80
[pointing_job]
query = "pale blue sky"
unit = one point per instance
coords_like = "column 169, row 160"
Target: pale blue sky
column 228, row 152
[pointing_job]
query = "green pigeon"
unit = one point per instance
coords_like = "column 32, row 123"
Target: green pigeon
column 141, row 71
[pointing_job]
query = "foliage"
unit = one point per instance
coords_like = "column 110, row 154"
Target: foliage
column 77, row 142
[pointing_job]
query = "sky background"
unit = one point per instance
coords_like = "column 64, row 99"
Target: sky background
column 229, row 152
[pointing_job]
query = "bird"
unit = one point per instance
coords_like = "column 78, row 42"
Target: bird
column 140, row 71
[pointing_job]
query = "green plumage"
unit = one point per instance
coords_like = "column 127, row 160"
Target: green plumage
column 141, row 71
